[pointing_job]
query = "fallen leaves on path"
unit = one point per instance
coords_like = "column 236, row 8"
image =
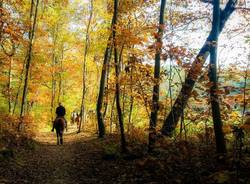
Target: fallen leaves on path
column 86, row 159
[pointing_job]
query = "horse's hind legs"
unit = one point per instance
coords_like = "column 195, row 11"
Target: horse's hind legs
column 61, row 139
column 57, row 138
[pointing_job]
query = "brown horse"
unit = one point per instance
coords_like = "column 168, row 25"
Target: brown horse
column 59, row 124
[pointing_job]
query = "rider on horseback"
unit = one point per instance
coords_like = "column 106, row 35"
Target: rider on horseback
column 60, row 112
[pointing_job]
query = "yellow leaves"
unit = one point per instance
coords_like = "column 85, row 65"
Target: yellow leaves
column 234, row 116
column 132, row 5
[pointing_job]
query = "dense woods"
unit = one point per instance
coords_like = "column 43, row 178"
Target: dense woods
column 155, row 91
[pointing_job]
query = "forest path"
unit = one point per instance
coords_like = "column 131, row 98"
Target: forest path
column 82, row 159
column 79, row 160
column 56, row 162
column 49, row 163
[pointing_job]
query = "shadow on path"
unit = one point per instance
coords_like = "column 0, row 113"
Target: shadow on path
column 78, row 160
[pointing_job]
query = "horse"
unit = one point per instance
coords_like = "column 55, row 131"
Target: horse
column 77, row 120
column 59, row 124
column 73, row 117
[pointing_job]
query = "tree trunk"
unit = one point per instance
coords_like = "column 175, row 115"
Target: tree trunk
column 244, row 90
column 9, row 84
column 131, row 100
column 53, row 90
column 84, row 72
column 60, row 84
column 156, row 89
column 219, row 136
column 111, row 115
column 10, row 58
column 99, row 104
column 29, row 58
column 53, row 74
column 171, row 121
column 18, row 89
column 107, row 86
column 117, row 85
column 1, row 22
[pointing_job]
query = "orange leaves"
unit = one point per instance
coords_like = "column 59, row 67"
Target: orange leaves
column 246, row 125
column 12, row 31
column 155, row 46
column 195, row 94
column 179, row 62
column 156, row 35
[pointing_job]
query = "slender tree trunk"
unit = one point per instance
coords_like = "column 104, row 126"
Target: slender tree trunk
column 84, row 69
column 124, row 99
column 244, row 90
column 131, row 99
column 53, row 74
column 117, row 85
column 10, row 59
column 182, row 127
column 53, row 90
column 1, row 22
column 156, row 89
column 29, row 58
column 60, row 84
column 9, row 84
column 120, row 61
column 18, row 90
column 112, row 114
column 19, row 87
column 219, row 136
column 107, row 86
column 171, row 121
column 99, row 104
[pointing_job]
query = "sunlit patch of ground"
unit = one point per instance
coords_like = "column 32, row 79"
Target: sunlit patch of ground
column 69, row 136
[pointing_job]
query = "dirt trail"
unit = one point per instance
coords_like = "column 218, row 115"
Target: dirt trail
column 55, row 161
column 82, row 160
column 79, row 160
column 48, row 162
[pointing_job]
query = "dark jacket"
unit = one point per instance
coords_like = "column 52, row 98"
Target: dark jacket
column 60, row 110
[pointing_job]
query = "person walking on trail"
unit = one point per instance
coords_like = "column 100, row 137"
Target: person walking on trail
column 60, row 112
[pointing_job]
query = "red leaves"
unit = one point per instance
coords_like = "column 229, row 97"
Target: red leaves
column 195, row 94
